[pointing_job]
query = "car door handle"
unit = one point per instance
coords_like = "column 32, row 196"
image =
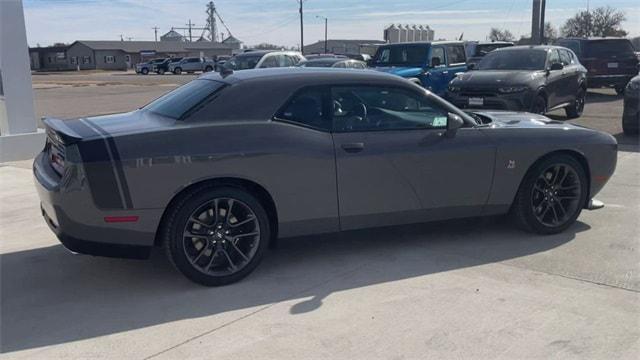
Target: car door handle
column 353, row 147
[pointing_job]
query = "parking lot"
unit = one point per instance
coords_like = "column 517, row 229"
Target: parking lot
column 474, row 288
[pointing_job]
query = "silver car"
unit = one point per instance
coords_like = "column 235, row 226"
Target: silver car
column 191, row 65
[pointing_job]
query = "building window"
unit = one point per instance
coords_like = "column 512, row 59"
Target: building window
column 109, row 59
column 86, row 59
column 61, row 55
column 74, row 60
column 127, row 58
column 49, row 59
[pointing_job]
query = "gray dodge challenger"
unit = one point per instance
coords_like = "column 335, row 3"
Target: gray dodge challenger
column 218, row 169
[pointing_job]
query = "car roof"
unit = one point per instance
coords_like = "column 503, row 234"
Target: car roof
column 530, row 47
column 494, row 43
column 593, row 38
column 325, row 60
column 303, row 75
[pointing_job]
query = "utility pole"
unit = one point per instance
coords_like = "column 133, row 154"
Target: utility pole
column 155, row 30
column 325, row 32
column 535, row 22
column 301, row 29
column 121, row 37
column 588, row 20
column 190, row 25
column 543, row 4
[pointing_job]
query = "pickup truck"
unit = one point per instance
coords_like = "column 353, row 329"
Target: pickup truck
column 429, row 64
column 191, row 65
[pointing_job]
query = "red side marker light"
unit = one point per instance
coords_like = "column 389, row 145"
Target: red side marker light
column 600, row 178
column 121, row 219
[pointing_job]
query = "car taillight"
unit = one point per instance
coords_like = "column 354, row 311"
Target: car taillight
column 56, row 153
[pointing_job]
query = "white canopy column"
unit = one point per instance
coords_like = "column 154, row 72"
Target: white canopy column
column 20, row 137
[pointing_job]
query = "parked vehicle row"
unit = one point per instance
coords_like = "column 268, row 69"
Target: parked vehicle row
column 176, row 65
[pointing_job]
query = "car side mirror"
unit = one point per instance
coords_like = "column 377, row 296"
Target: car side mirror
column 435, row 62
column 454, row 122
column 556, row 66
column 471, row 66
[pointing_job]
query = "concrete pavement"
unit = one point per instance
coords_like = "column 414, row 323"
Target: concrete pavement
column 473, row 289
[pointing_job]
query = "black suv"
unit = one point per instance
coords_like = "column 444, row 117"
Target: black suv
column 611, row 62
column 523, row 78
column 476, row 50
column 163, row 67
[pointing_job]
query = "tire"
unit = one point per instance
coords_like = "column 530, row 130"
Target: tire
column 160, row 72
column 533, row 213
column 177, row 71
column 210, row 257
column 576, row 109
column 628, row 130
column 144, row 71
column 539, row 105
column 620, row 89
column 208, row 69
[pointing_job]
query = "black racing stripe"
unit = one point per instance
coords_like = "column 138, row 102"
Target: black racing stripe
column 118, row 165
column 80, row 128
column 120, row 171
column 101, row 178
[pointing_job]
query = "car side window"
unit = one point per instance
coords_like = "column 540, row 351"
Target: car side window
column 553, row 57
column 341, row 64
column 374, row 108
column 437, row 56
column 455, row 54
column 306, row 109
column 269, row 62
column 565, row 58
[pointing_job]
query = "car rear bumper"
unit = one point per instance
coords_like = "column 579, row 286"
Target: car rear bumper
column 68, row 209
column 596, row 81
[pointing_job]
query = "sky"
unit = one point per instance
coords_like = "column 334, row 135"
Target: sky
column 277, row 21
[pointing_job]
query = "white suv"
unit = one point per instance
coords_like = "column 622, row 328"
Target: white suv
column 264, row 59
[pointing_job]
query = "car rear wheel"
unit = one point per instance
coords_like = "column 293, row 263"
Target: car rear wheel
column 576, row 109
column 216, row 236
column 539, row 105
column 177, row 71
column 208, row 69
column 144, row 71
column 551, row 195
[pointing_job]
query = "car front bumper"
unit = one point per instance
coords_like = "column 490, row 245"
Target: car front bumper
column 516, row 102
column 68, row 209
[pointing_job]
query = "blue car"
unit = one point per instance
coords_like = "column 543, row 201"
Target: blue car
column 430, row 64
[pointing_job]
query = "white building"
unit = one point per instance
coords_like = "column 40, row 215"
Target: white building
column 395, row 33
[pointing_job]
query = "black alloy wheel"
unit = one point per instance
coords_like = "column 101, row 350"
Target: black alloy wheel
column 551, row 196
column 217, row 236
column 576, row 109
column 539, row 105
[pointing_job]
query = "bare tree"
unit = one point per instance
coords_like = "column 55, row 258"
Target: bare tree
column 603, row 21
column 500, row 35
column 550, row 33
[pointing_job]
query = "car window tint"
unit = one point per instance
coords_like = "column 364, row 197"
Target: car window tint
column 437, row 52
column 570, row 44
column 370, row 108
column 269, row 62
column 179, row 101
column 341, row 64
column 306, row 109
column 455, row 54
column 553, row 57
column 565, row 58
column 606, row 48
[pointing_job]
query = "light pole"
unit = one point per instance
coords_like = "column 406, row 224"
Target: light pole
column 325, row 32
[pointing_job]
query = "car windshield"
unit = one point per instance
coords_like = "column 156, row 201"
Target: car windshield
column 178, row 102
column 484, row 49
column 606, row 48
column 317, row 63
column 157, row 61
column 401, row 55
column 514, row 60
column 243, row 62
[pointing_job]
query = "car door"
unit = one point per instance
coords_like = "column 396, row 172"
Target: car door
column 394, row 163
column 571, row 76
column 554, row 82
column 438, row 75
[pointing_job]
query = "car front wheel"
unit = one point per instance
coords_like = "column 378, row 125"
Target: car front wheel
column 208, row 69
column 161, row 72
column 551, row 195
column 539, row 105
column 177, row 71
column 216, row 236
column 144, row 71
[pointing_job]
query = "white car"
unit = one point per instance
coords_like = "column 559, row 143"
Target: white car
column 263, row 59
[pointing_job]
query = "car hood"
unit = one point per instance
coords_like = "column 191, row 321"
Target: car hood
column 497, row 77
column 400, row 70
column 515, row 119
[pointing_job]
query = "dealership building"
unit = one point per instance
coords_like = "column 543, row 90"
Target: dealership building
column 122, row 55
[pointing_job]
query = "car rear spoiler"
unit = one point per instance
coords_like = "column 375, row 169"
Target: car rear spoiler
column 62, row 130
